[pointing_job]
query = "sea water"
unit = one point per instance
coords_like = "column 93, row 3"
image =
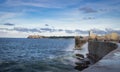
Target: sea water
column 37, row 55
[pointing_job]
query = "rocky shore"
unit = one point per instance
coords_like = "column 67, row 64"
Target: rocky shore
column 83, row 62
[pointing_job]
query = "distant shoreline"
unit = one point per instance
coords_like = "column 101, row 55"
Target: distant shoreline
column 51, row 37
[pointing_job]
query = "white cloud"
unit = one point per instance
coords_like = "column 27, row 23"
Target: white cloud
column 4, row 16
column 42, row 3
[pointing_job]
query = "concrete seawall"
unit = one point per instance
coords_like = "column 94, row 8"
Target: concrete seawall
column 106, row 56
column 97, row 50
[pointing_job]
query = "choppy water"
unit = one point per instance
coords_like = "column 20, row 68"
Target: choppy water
column 36, row 55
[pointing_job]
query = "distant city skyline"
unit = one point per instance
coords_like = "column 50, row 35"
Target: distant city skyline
column 20, row 18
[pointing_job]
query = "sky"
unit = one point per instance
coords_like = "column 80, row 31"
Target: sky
column 20, row 18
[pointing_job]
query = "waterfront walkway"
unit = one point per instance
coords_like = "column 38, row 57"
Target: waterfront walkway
column 109, row 63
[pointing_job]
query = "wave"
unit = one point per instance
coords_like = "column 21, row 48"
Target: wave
column 83, row 51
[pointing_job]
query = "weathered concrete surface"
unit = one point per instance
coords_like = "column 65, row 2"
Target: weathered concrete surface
column 109, row 63
column 97, row 50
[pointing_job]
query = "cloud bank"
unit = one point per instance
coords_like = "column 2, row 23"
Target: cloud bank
column 51, row 30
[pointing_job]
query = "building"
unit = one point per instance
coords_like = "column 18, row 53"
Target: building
column 92, row 35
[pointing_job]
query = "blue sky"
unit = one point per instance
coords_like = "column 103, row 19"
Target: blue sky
column 20, row 18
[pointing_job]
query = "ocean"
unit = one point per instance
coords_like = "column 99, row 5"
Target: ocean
column 37, row 55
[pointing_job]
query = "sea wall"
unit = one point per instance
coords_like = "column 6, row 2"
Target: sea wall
column 97, row 50
column 106, row 56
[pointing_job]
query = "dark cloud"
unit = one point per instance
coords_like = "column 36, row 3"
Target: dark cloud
column 88, row 10
column 47, row 29
column 106, row 31
column 81, row 31
column 46, row 24
column 35, row 30
column 117, row 31
column 4, row 29
column 60, row 30
column 89, row 18
column 98, row 31
column 108, row 9
column 69, row 31
column 9, row 24
column 20, row 29
column 103, row 10
column 109, row 30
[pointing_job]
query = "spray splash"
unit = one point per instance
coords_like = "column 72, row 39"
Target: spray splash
column 84, row 50
column 70, row 47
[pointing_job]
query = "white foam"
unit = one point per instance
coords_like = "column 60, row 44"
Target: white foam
column 70, row 47
column 83, row 51
column 51, row 56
